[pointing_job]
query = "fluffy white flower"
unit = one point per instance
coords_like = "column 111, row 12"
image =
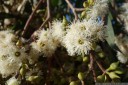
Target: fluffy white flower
column 75, row 40
column 11, row 56
column 121, row 57
column 100, row 8
column 82, row 35
column 33, row 55
column 11, row 59
column 7, row 37
column 13, row 81
column 58, row 30
column 94, row 30
column 46, row 43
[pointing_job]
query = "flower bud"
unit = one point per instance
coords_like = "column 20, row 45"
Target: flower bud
column 118, row 72
column 73, row 83
column 22, row 71
column 101, row 55
column 101, row 78
column 83, row 14
column 65, row 22
column 33, row 78
column 113, row 75
column 81, row 76
column 113, row 66
column 85, row 4
column 90, row 2
column 19, row 43
column 85, row 59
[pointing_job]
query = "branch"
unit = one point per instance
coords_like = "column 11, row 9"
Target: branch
column 79, row 9
column 73, row 9
column 48, row 15
column 100, row 66
column 92, row 64
column 30, row 19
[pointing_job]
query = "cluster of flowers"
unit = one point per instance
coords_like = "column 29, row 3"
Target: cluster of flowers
column 78, row 38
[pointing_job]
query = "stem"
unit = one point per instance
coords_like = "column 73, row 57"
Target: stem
column 48, row 15
column 92, row 64
column 79, row 9
column 100, row 66
column 30, row 19
column 72, row 8
column 82, row 82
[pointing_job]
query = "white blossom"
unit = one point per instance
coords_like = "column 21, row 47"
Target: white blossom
column 95, row 30
column 121, row 57
column 58, row 30
column 12, row 81
column 82, row 35
column 11, row 56
column 46, row 43
column 75, row 40
column 100, row 8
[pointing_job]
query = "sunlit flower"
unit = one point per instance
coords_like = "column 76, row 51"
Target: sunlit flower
column 75, row 40
column 121, row 57
column 100, row 8
column 58, row 30
column 13, row 81
column 46, row 43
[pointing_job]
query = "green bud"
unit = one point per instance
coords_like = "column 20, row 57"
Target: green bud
column 85, row 59
column 33, row 78
column 22, row 71
column 101, row 78
column 73, row 83
column 85, row 4
column 113, row 75
column 90, row 2
column 81, row 76
column 65, row 22
column 119, row 72
column 94, row 46
column 101, row 55
column 25, row 66
column 83, row 14
column 113, row 66
column 19, row 43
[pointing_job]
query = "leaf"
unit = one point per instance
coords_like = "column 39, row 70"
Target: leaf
column 110, row 32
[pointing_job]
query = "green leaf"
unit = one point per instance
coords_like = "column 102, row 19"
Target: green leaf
column 110, row 32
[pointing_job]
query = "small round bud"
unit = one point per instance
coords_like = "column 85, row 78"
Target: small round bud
column 101, row 55
column 22, row 71
column 83, row 14
column 101, row 78
column 90, row 2
column 81, row 76
column 85, row 4
column 85, row 59
column 73, row 83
